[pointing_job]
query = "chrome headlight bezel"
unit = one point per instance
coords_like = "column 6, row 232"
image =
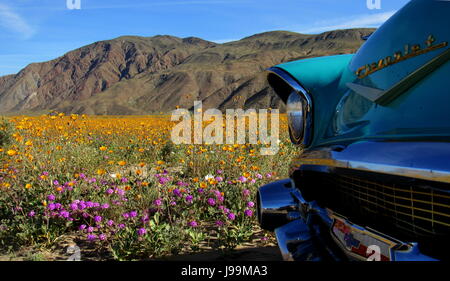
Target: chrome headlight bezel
column 294, row 86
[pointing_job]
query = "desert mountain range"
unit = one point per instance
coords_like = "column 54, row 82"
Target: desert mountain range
column 144, row 75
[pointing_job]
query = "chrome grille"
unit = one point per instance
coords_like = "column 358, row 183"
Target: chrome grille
column 419, row 211
column 407, row 209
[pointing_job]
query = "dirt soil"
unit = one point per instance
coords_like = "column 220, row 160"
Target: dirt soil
column 256, row 250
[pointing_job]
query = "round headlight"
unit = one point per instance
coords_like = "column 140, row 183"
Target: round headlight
column 295, row 113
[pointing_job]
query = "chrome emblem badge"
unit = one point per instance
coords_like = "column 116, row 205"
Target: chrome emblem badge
column 399, row 56
column 359, row 242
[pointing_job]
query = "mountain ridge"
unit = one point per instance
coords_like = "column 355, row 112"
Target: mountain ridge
column 141, row 75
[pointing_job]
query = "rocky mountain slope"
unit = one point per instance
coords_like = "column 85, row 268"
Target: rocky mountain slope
column 143, row 75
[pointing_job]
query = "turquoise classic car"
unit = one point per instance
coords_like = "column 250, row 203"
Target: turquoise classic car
column 372, row 180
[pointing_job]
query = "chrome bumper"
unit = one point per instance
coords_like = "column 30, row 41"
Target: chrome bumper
column 307, row 231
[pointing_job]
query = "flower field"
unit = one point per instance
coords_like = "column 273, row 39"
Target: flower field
column 122, row 185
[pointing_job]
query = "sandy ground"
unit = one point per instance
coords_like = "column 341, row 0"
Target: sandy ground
column 269, row 253
column 255, row 250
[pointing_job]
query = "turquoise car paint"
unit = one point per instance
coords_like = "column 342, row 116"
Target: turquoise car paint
column 318, row 72
column 408, row 27
column 325, row 79
column 343, row 116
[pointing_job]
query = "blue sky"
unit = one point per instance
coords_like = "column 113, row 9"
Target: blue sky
column 40, row 30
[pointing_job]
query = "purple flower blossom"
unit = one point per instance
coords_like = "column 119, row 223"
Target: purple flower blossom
column 193, row 224
column 51, row 206
column 91, row 237
column 242, row 179
column 110, row 223
column 189, row 198
column 248, row 213
column 109, row 191
column 158, row 202
column 51, row 197
column 219, row 179
column 126, row 215
column 74, row 206
column 102, row 237
column 31, row 214
column 97, row 218
column 141, row 231
column 181, row 183
column 246, row 192
column 219, row 223
column 64, row 214
column 211, row 202
column 90, row 229
column 231, row 216
column 55, row 182
column 82, row 227
column 177, row 192
column 259, row 176
column 121, row 226
column 133, row 214
column 163, row 180
column 250, row 204
column 105, row 206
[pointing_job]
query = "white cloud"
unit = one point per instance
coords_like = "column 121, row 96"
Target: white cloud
column 14, row 22
column 369, row 20
column 221, row 41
